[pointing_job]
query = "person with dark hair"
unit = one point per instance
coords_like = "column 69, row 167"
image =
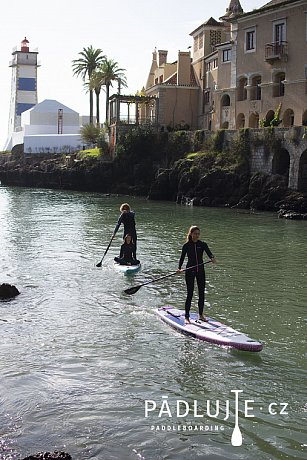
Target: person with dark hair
column 194, row 249
column 127, row 254
column 127, row 218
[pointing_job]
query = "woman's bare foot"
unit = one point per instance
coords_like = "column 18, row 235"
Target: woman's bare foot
column 187, row 321
column 203, row 318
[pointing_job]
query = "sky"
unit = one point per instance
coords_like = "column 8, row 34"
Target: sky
column 127, row 32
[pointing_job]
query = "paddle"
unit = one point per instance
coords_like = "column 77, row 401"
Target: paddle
column 236, row 437
column 135, row 289
column 99, row 263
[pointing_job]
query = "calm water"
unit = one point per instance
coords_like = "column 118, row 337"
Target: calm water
column 79, row 358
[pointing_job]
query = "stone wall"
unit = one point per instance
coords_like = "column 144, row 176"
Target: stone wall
column 267, row 143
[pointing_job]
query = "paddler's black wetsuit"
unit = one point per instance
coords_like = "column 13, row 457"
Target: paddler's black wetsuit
column 127, row 255
column 128, row 220
column 195, row 252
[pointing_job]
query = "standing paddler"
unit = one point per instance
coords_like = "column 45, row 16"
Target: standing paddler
column 127, row 218
column 194, row 248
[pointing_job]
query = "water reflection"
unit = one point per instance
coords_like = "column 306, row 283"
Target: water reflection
column 79, row 358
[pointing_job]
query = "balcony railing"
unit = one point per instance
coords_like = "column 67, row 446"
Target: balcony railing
column 276, row 51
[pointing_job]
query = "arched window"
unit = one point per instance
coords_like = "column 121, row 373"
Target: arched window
column 269, row 117
column 240, row 121
column 302, row 173
column 242, row 91
column 256, row 88
column 225, row 101
column 288, row 118
column 254, row 120
column 279, row 85
column 304, row 119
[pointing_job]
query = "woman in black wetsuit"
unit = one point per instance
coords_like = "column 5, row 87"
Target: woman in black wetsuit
column 127, row 254
column 194, row 249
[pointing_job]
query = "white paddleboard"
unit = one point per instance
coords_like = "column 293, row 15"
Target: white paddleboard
column 211, row 331
column 127, row 268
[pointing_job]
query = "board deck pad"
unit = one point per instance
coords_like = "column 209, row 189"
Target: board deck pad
column 127, row 268
column 212, row 331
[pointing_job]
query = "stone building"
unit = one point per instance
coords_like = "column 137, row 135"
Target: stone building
column 248, row 70
column 244, row 68
column 175, row 85
column 261, row 69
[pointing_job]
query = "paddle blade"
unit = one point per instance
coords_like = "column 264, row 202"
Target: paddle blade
column 132, row 290
column 99, row 264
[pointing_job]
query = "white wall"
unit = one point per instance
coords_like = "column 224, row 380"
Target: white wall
column 28, row 71
column 58, row 143
column 49, row 129
column 49, row 118
column 17, row 138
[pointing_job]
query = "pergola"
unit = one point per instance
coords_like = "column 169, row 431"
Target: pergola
column 133, row 110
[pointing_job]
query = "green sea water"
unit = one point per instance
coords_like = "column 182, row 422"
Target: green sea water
column 80, row 359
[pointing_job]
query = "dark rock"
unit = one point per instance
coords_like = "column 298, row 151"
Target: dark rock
column 205, row 201
column 288, row 214
column 293, row 200
column 160, row 188
column 7, row 291
column 49, row 456
column 244, row 202
column 256, row 184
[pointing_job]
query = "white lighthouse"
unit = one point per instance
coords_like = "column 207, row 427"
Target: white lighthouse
column 23, row 87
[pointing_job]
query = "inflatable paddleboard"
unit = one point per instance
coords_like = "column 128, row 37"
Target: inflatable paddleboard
column 211, row 331
column 127, row 268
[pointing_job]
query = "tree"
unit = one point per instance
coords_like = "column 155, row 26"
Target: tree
column 110, row 72
column 90, row 59
column 95, row 84
column 90, row 134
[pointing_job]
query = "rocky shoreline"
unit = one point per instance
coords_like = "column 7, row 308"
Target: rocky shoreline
column 199, row 179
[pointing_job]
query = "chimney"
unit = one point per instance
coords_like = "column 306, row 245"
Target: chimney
column 184, row 68
column 162, row 57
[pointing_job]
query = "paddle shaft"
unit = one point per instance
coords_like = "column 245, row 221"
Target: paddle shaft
column 99, row 264
column 174, row 273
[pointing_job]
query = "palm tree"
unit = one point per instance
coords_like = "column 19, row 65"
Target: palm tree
column 90, row 59
column 95, row 84
column 111, row 72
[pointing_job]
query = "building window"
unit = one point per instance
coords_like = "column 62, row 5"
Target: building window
column 207, row 97
column 279, row 85
column 226, row 55
column 196, row 43
column 279, row 32
column 211, row 65
column 250, row 40
column 242, row 91
column 200, row 41
column 256, row 89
